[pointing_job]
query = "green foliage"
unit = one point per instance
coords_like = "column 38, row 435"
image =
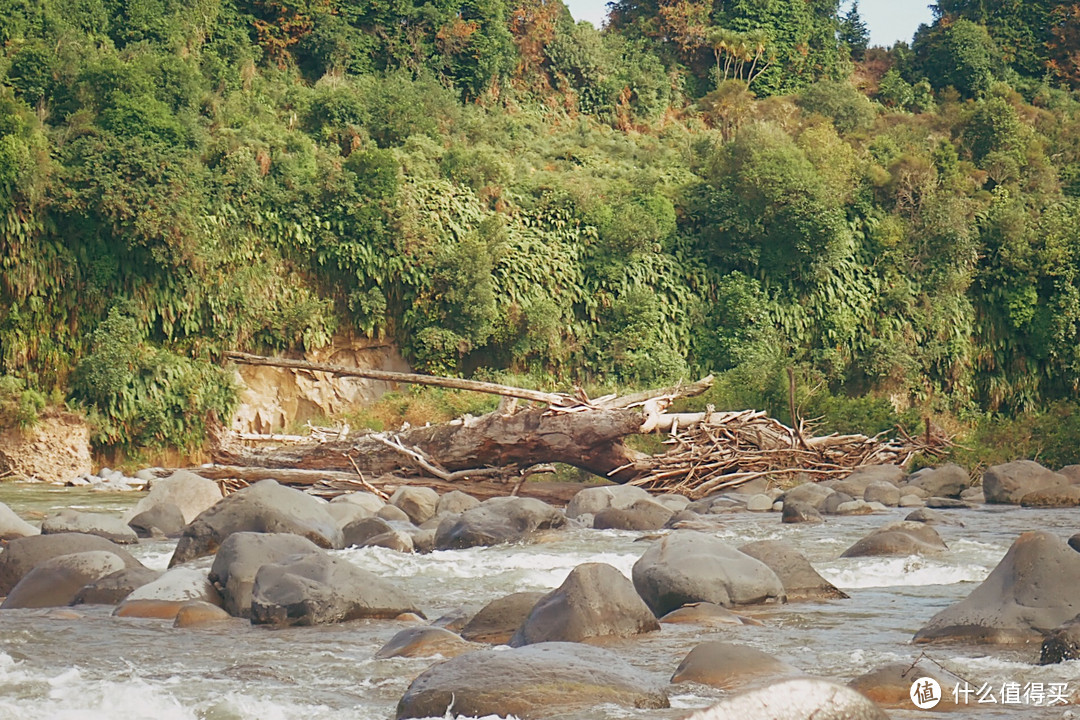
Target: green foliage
column 846, row 107
column 142, row 396
column 960, row 54
column 19, row 404
column 1050, row 436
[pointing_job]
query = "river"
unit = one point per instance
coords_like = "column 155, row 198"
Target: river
column 55, row 665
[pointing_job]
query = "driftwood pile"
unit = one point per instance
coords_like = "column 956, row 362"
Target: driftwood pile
column 717, row 450
column 494, row 454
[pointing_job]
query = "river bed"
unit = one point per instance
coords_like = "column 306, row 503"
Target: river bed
column 98, row 666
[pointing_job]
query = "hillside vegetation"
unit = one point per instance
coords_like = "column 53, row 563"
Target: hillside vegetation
column 734, row 187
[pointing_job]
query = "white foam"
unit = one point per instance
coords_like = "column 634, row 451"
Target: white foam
column 913, row 570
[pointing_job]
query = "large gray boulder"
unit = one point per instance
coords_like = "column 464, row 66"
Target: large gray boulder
column 57, row 581
column 24, row 554
column 455, row 502
column 109, row 527
column 643, row 515
column 592, row 500
column 164, row 518
column 163, row 598
column 726, row 665
column 116, row 586
column 812, row 494
column 1030, row 592
column 899, row 538
column 1062, row 643
column 263, row 507
column 594, row 601
column 946, row 481
column 1056, row 496
column 531, row 682
column 883, row 492
column 360, row 531
column 12, row 526
column 1009, row 483
column 239, row 559
column 689, row 566
column 498, row 520
column 418, row 503
column 801, row 581
column 192, row 494
column 497, row 621
column 317, row 588
column 797, row 699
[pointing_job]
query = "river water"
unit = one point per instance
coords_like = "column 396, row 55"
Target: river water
column 53, row 665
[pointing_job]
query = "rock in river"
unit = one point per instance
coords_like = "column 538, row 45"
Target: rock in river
column 688, row 566
column 24, row 554
column 495, row 521
column 595, row 600
column 239, row 559
column 801, row 581
column 317, row 588
column 263, row 507
column 899, row 538
column 1030, row 592
column 530, row 682
column 726, row 665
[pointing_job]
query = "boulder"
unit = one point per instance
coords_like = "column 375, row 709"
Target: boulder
column 392, row 513
column 200, row 614
column 759, row 503
column 801, row 581
column 856, row 507
column 974, row 496
column 643, row 515
column 498, row 520
column 889, row 686
column 456, row 619
column 672, row 501
column 423, row 540
column 191, row 493
column 369, row 501
column 263, row 507
column 164, row 597
column 893, row 474
column 688, row 566
column 418, row 503
column 1029, row 593
column 24, row 554
column 708, row 614
column 932, row 517
column 12, row 526
column 109, row 527
column 900, row 538
column 810, row 493
column 345, row 514
column 592, row 500
column 1058, row 496
column 834, row 501
column 497, row 621
column 165, row 518
column 1009, row 483
column 116, row 586
column 883, row 492
column 594, row 601
column 360, row 531
column 726, row 665
column 239, row 559
column 946, row 503
column 799, row 512
column 317, row 588
column 946, row 481
column 535, row 681
column 797, row 699
column 396, row 540
column 455, row 502
column 911, row 501
column 1062, row 643
column 425, row 641
column 57, row 581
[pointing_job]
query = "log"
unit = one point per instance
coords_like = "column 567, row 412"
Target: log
column 590, row 440
column 555, row 399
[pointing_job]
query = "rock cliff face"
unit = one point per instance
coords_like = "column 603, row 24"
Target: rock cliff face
column 55, row 450
column 273, row 399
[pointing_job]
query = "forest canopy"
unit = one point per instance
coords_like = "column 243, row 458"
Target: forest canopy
column 732, row 187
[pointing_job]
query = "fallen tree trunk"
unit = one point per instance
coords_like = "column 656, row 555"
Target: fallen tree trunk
column 590, row 440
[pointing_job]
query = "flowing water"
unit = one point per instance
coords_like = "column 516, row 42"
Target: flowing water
column 96, row 666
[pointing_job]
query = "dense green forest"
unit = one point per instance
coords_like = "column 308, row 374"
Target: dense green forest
column 736, row 187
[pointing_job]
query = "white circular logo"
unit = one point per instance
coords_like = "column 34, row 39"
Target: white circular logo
column 925, row 693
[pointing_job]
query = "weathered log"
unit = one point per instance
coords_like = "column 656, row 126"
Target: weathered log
column 589, row 440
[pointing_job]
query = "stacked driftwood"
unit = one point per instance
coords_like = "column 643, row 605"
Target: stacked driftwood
column 716, row 450
column 495, row 453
